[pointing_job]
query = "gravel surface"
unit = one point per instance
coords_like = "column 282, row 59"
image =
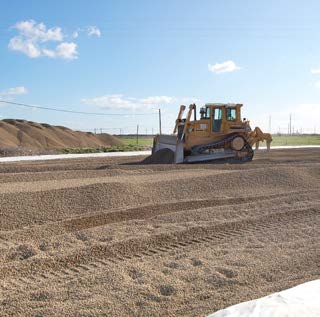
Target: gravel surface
column 114, row 237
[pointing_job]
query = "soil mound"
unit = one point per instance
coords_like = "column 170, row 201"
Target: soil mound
column 163, row 156
column 28, row 135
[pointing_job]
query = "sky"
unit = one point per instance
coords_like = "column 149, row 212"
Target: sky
column 127, row 59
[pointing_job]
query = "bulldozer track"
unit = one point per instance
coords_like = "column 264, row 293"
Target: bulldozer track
column 99, row 257
column 222, row 143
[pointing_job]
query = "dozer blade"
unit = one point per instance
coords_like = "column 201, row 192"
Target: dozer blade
column 170, row 142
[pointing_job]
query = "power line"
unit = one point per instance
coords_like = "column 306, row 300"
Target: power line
column 77, row 112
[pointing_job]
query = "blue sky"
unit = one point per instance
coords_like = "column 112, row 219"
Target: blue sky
column 136, row 56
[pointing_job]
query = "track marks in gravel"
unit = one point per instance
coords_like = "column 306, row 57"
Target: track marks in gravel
column 141, row 177
column 99, row 256
column 146, row 212
column 141, row 213
column 60, row 230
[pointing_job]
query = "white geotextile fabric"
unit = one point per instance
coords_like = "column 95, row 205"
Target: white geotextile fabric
column 71, row 156
column 300, row 301
column 113, row 154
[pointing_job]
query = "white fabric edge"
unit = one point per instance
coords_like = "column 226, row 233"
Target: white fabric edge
column 114, row 154
column 299, row 301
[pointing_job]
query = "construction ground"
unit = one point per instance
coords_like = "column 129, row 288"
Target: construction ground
column 111, row 237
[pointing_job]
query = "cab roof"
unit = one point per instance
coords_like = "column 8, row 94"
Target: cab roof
column 227, row 105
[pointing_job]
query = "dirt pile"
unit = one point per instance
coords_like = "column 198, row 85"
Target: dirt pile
column 164, row 156
column 28, row 135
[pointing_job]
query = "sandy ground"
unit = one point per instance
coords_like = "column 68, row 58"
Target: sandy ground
column 109, row 237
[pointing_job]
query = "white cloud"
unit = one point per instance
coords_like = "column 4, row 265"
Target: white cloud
column 27, row 47
column 36, row 40
column 131, row 103
column 89, row 31
column 38, row 32
column 32, row 39
column 93, row 31
column 114, row 102
column 225, row 67
column 154, row 100
column 186, row 100
column 67, row 50
column 75, row 34
column 315, row 71
column 49, row 53
column 317, row 84
column 15, row 91
column 9, row 94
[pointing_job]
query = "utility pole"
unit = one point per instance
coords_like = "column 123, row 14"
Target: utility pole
column 137, row 133
column 160, row 121
column 290, row 130
column 269, row 124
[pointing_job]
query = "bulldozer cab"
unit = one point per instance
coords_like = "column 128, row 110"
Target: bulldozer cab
column 224, row 116
column 214, row 119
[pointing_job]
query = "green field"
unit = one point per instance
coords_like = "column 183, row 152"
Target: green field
column 102, row 149
column 295, row 140
column 277, row 140
column 145, row 143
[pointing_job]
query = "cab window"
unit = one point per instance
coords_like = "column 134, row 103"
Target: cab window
column 217, row 115
column 231, row 114
column 217, row 120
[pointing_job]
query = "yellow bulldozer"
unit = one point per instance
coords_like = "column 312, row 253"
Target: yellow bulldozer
column 219, row 133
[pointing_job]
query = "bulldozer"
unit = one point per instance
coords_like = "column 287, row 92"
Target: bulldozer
column 219, row 133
